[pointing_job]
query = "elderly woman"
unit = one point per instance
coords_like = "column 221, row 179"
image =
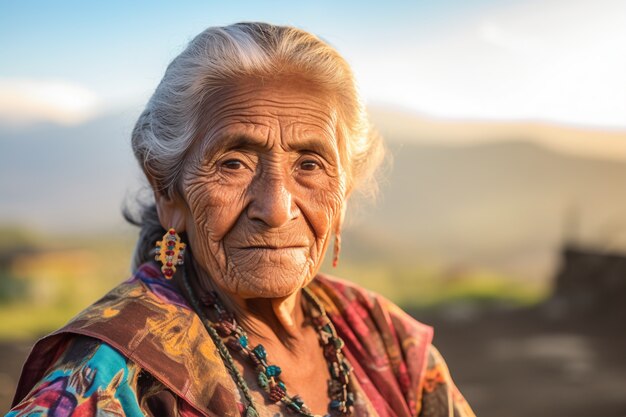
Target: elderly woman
column 252, row 143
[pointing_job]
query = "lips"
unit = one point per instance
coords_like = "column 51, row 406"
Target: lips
column 257, row 255
column 272, row 247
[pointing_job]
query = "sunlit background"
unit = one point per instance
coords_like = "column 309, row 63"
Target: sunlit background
column 501, row 217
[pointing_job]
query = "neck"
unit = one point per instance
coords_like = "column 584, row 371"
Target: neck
column 280, row 319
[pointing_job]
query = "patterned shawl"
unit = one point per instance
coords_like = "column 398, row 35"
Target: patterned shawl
column 148, row 321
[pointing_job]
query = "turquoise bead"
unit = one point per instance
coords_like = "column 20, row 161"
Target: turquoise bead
column 273, row 370
column 243, row 340
column 263, row 381
column 260, row 352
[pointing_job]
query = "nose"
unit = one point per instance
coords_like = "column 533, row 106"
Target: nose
column 272, row 203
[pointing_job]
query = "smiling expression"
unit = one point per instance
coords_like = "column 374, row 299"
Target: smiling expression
column 265, row 189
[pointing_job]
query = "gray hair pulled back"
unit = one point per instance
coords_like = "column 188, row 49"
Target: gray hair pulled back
column 219, row 57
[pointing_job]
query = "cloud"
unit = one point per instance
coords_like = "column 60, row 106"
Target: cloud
column 26, row 101
column 492, row 33
column 553, row 61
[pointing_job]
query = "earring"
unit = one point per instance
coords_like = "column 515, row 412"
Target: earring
column 336, row 249
column 170, row 251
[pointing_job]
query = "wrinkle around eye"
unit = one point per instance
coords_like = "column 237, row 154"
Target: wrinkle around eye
column 324, row 166
column 310, row 165
column 233, row 164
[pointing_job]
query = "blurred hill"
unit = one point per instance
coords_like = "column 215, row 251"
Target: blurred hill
column 67, row 178
column 505, row 204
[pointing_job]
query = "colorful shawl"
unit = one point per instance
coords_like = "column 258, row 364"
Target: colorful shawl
column 143, row 340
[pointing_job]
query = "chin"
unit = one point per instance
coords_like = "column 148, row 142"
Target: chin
column 269, row 281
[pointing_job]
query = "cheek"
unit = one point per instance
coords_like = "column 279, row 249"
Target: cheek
column 213, row 208
column 322, row 206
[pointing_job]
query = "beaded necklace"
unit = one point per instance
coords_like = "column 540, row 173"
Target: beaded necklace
column 227, row 333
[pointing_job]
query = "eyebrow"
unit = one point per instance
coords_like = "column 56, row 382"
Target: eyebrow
column 230, row 142
column 321, row 147
column 242, row 141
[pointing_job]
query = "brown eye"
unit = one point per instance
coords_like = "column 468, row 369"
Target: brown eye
column 309, row 165
column 233, row 164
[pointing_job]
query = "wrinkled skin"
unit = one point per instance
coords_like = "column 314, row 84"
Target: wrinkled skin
column 265, row 190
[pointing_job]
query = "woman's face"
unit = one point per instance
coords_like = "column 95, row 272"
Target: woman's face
column 265, row 190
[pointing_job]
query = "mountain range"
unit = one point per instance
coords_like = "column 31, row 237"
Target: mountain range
column 505, row 204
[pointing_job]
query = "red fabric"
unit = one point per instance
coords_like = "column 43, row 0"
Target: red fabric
column 386, row 347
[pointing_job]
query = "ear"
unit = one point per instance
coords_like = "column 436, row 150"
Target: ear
column 171, row 211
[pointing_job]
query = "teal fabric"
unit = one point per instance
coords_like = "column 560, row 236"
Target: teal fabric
column 100, row 383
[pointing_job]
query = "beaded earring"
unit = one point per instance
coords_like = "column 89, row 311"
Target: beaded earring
column 336, row 249
column 170, row 251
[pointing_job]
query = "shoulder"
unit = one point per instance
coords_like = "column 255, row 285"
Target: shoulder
column 373, row 325
column 392, row 347
column 395, row 340
column 88, row 375
column 136, row 316
column 350, row 296
column 440, row 396
column 102, row 347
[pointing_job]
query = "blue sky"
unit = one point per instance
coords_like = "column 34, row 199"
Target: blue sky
column 547, row 60
column 105, row 43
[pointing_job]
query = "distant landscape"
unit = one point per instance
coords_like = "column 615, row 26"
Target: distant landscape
column 482, row 221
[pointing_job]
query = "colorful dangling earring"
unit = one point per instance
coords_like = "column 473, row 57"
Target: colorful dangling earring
column 336, row 249
column 170, row 251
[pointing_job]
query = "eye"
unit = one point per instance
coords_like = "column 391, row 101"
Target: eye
column 233, row 164
column 309, row 165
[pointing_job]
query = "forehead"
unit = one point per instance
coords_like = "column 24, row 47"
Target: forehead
column 289, row 109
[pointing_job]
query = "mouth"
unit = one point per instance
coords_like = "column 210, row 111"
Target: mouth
column 271, row 247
